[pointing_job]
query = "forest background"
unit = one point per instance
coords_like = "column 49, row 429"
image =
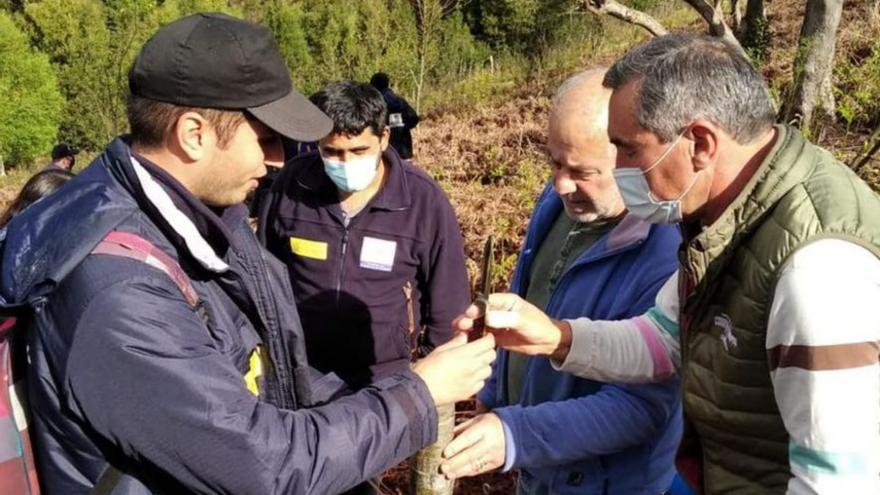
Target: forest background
column 480, row 72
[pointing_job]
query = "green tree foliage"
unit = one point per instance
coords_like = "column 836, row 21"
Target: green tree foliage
column 858, row 90
column 92, row 45
column 326, row 40
column 31, row 104
column 521, row 25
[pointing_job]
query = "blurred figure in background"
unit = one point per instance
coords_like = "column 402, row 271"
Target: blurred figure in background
column 401, row 116
column 63, row 157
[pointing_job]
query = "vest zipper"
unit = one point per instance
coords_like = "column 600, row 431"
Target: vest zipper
column 410, row 321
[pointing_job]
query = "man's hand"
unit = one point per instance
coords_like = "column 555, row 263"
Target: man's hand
column 457, row 369
column 520, row 327
column 478, row 447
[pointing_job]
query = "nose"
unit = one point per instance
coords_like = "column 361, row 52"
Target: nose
column 562, row 183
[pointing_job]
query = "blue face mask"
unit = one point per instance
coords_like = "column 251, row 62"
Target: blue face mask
column 637, row 195
column 353, row 175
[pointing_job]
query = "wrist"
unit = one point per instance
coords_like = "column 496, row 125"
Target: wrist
column 560, row 353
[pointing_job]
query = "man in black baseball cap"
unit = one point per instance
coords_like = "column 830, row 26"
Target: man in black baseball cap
column 217, row 61
column 63, row 157
column 167, row 355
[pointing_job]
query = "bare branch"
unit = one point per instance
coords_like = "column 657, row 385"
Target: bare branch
column 860, row 161
column 736, row 15
column 624, row 13
column 714, row 16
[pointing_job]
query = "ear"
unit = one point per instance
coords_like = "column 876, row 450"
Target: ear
column 384, row 138
column 194, row 135
column 705, row 138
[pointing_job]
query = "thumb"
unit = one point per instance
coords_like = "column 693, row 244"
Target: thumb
column 504, row 301
column 458, row 340
column 503, row 319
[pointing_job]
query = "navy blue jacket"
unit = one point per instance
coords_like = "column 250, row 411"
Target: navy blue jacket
column 124, row 371
column 578, row 436
column 407, row 118
column 349, row 280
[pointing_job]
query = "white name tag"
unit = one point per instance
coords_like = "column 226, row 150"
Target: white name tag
column 395, row 120
column 378, row 254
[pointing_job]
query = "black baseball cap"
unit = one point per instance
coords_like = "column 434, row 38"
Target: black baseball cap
column 212, row 60
column 63, row 149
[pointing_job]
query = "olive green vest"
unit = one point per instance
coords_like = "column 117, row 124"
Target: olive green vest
column 798, row 195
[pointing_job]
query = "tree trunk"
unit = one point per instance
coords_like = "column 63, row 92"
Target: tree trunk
column 424, row 471
column 624, row 13
column 2, row 167
column 813, row 64
column 754, row 32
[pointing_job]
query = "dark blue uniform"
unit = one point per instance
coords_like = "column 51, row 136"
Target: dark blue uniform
column 355, row 283
column 125, row 371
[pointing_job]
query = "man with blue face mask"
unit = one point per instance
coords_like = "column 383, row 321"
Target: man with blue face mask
column 582, row 256
column 770, row 320
column 372, row 245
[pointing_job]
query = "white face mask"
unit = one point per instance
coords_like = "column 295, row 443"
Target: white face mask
column 353, row 175
column 637, row 195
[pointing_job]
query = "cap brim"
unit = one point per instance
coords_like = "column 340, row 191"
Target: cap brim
column 295, row 117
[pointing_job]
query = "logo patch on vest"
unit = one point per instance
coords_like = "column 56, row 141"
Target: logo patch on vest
column 728, row 340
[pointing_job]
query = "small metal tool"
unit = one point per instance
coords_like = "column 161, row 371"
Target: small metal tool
column 481, row 299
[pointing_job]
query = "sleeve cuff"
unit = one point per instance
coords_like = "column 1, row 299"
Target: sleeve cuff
column 413, row 396
column 509, row 442
column 578, row 359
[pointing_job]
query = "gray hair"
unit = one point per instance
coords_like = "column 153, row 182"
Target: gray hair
column 683, row 77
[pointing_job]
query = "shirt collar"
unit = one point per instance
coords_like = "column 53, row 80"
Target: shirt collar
column 205, row 231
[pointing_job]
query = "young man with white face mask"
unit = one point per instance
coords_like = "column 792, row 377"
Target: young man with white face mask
column 771, row 319
column 372, row 245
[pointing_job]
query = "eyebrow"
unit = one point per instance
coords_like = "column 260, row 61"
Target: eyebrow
column 622, row 143
column 355, row 149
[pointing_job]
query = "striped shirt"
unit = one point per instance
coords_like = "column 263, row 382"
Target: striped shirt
column 823, row 345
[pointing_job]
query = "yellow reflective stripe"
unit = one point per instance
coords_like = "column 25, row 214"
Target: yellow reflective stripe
column 255, row 371
column 308, row 249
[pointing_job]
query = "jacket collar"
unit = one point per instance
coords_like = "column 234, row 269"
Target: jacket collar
column 50, row 238
column 787, row 164
column 189, row 218
column 630, row 232
column 394, row 195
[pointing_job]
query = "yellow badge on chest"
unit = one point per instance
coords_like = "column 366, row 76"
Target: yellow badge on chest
column 255, row 371
column 306, row 248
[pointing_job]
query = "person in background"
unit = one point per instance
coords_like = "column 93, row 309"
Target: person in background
column 583, row 256
column 40, row 185
column 401, row 116
column 371, row 243
column 63, row 157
